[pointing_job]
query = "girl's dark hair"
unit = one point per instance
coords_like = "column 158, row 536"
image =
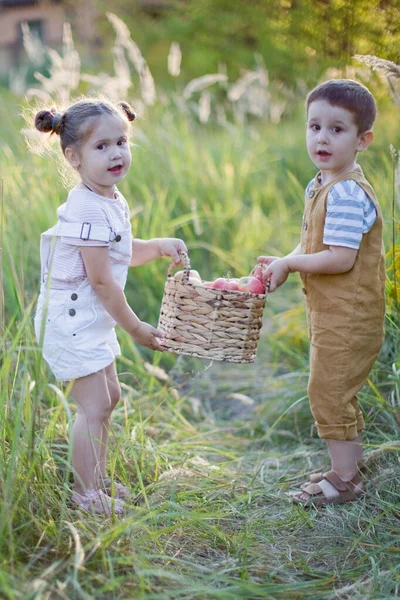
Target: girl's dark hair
column 350, row 95
column 70, row 125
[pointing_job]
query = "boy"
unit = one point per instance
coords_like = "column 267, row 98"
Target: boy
column 341, row 262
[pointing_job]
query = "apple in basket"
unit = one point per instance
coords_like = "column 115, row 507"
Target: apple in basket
column 222, row 284
column 251, row 284
column 258, row 272
column 194, row 277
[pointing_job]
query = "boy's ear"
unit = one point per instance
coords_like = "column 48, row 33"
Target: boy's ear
column 72, row 157
column 365, row 140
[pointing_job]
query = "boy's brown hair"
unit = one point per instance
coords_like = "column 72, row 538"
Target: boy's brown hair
column 350, row 95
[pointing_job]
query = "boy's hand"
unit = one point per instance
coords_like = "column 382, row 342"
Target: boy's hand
column 260, row 271
column 276, row 273
column 267, row 260
column 147, row 335
column 171, row 247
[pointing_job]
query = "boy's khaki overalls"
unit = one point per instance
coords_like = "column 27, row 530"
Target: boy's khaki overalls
column 345, row 315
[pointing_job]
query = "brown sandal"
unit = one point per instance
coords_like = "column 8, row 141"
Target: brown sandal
column 313, row 495
column 317, row 477
column 314, row 478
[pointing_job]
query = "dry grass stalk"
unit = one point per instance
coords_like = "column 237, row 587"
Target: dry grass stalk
column 386, row 67
column 201, row 83
column 147, row 86
column 174, row 59
column 33, row 46
column 195, row 216
column 204, row 106
column 64, row 72
column 116, row 87
column 242, row 84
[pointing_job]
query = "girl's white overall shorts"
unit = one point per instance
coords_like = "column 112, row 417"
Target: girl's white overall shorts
column 74, row 330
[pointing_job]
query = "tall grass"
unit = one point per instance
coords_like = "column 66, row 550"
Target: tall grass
column 210, row 451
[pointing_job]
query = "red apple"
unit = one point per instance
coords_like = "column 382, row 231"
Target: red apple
column 220, row 284
column 258, row 273
column 233, row 284
column 251, row 284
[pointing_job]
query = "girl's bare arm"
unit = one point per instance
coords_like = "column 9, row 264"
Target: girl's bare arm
column 144, row 251
column 112, row 297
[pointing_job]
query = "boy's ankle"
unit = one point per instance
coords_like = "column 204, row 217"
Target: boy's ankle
column 346, row 475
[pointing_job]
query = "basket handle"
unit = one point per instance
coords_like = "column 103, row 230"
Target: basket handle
column 186, row 267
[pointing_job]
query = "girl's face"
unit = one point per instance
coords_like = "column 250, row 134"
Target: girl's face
column 104, row 158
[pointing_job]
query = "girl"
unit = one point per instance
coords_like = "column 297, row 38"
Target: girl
column 84, row 264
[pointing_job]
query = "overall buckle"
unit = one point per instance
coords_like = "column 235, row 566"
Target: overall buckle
column 113, row 235
column 85, row 234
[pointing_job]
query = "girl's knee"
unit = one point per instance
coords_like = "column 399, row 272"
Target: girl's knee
column 114, row 390
column 100, row 410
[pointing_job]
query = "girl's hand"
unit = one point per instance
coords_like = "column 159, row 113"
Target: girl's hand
column 171, row 247
column 276, row 273
column 146, row 335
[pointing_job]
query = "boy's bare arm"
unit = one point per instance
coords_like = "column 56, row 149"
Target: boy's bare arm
column 267, row 260
column 332, row 261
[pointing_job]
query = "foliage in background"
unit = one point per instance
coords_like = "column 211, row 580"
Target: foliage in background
column 297, row 39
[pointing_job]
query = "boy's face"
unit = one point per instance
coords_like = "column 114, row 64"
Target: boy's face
column 333, row 139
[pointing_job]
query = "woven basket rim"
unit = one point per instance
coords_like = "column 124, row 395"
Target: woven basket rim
column 185, row 278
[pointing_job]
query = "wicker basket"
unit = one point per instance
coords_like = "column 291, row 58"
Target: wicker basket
column 209, row 323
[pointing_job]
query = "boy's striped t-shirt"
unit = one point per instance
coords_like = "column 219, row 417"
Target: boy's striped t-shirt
column 349, row 214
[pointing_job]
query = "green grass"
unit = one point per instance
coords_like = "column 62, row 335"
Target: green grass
column 211, row 453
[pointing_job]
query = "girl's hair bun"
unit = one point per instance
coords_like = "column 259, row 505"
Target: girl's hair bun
column 130, row 115
column 49, row 120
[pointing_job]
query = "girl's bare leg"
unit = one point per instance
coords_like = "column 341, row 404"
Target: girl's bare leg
column 93, row 400
column 114, row 391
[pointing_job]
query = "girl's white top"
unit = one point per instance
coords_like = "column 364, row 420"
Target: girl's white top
column 83, row 205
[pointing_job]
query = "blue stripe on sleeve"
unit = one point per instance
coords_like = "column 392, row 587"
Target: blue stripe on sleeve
column 350, row 213
column 339, row 228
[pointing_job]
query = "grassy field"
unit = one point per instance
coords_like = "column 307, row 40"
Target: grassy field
column 209, row 450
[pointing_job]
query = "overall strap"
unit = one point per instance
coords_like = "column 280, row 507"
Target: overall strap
column 85, row 231
column 357, row 175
